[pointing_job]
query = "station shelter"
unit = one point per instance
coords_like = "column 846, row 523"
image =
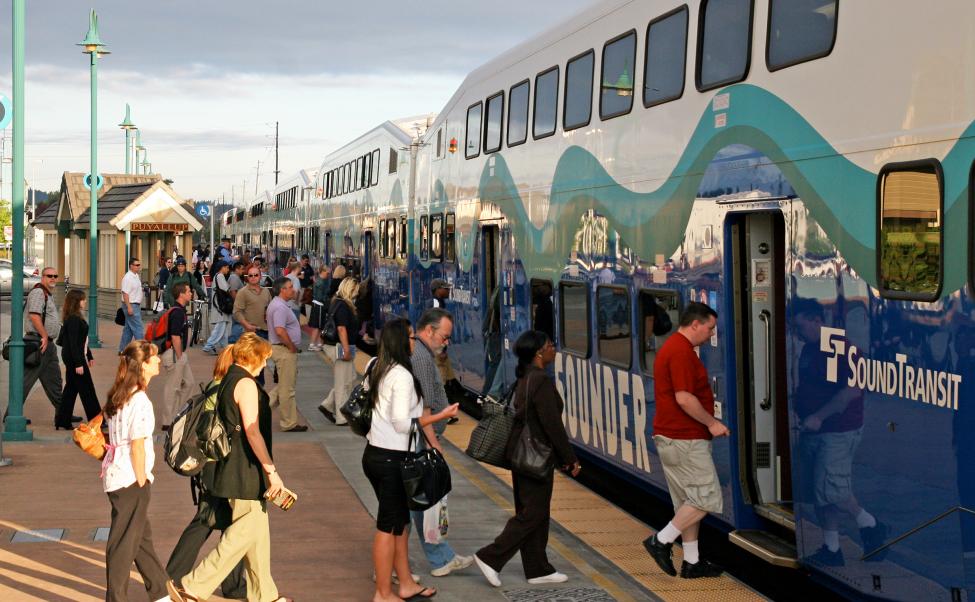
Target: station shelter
column 138, row 216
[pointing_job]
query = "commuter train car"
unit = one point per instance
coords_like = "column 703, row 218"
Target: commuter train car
column 792, row 163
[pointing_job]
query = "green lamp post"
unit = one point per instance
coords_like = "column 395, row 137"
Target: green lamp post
column 15, row 426
column 139, row 149
column 128, row 126
column 92, row 45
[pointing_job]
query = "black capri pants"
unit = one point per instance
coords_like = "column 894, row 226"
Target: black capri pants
column 382, row 467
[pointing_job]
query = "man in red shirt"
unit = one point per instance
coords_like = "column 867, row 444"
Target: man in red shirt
column 683, row 427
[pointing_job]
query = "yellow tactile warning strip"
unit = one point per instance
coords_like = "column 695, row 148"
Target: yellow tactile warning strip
column 610, row 531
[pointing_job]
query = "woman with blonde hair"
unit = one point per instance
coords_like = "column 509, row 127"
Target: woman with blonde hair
column 342, row 352
column 127, row 474
column 78, row 361
column 245, row 478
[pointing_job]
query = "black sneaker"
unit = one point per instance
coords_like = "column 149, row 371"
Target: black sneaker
column 825, row 557
column 701, row 568
column 662, row 553
column 873, row 538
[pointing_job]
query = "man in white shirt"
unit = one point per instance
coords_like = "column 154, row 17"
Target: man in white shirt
column 132, row 304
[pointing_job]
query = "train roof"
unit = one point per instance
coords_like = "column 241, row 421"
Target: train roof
column 399, row 129
column 536, row 43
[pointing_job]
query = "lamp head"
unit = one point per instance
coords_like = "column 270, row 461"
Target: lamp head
column 92, row 43
column 127, row 122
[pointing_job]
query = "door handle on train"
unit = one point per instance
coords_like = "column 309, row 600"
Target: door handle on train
column 766, row 318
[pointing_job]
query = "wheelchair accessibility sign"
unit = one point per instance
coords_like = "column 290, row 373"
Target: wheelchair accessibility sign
column 203, row 209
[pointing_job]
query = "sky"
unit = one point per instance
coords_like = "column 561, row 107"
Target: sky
column 207, row 79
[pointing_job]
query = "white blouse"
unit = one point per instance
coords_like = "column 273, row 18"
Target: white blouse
column 395, row 410
column 134, row 421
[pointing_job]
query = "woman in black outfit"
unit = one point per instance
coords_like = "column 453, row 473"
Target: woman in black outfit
column 538, row 406
column 198, row 271
column 77, row 360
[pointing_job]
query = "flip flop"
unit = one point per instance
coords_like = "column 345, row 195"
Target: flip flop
column 420, row 595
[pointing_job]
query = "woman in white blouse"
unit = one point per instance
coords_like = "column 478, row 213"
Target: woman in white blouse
column 396, row 396
column 127, row 474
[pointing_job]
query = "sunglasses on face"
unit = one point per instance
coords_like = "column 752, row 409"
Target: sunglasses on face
column 51, row 276
column 253, row 275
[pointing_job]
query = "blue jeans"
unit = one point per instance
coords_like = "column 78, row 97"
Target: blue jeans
column 133, row 330
column 438, row 554
column 219, row 331
column 235, row 331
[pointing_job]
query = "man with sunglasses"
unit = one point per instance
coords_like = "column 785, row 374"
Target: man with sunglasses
column 41, row 318
column 250, row 305
column 132, row 304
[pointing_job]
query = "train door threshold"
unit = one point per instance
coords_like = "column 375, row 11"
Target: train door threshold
column 767, row 546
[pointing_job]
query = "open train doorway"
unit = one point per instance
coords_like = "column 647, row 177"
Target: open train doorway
column 765, row 459
column 491, row 308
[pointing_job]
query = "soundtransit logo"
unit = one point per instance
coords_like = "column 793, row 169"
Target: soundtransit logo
column 897, row 378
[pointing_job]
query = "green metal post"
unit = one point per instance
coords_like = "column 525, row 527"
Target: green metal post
column 15, row 427
column 93, row 340
column 128, row 153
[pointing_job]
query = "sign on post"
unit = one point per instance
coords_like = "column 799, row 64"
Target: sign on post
column 203, row 210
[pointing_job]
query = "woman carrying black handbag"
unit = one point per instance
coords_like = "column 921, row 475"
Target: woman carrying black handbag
column 396, row 405
column 538, row 408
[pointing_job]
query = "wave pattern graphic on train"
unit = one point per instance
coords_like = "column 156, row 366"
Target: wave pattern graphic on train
column 835, row 255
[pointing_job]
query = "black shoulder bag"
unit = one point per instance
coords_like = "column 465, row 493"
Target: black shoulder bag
column 531, row 457
column 32, row 341
column 358, row 408
column 330, row 331
column 426, row 476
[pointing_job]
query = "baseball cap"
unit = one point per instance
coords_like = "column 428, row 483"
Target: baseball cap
column 439, row 283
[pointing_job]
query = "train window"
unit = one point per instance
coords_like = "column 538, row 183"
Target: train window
column 911, row 234
column 666, row 58
column 799, row 31
column 328, row 247
column 349, row 246
column 403, row 243
column 366, row 170
column 348, row 177
column 439, row 143
column 546, row 103
column 393, row 160
column 449, row 239
column 616, row 89
column 659, row 314
column 543, row 311
column 724, row 42
column 518, row 114
column 391, row 235
column 375, row 167
column 436, row 237
column 613, row 325
column 383, row 240
column 574, row 317
column 473, row 147
column 492, row 123
column 356, row 173
column 424, row 237
column 577, row 105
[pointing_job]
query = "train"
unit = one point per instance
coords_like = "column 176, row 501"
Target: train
column 791, row 163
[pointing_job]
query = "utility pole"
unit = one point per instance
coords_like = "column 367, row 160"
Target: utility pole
column 276, row 170
column 257, row 180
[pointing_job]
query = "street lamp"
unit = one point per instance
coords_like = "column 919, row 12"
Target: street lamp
column 92, row 46
column 128, row 126
column 138, row 151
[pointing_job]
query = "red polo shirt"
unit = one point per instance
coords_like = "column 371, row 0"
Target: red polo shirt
column 678, row 368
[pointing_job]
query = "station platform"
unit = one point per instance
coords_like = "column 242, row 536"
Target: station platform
column 54, row 516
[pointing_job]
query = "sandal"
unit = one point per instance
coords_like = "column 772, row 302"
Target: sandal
column 422, row 595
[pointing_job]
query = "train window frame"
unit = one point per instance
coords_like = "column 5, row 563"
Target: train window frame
column 528, row 101
column 439, row 148
column 424, row 253
column 391, row 232
column 450, row 237
column 366, row 176
column 436, row 237
column 935, row 167
column 629, row 322
column 376, row 158
column 404, row 244
column 805, row 59
column 602, row 74
column 383, row 240
column 555, row 116
column 487, row 113
column 699, row 58
column 393, row 161
column 566, row 127
column 641, row 332
column 356, row 173
column 467, row 131
column 646, row 55
column 569, row 284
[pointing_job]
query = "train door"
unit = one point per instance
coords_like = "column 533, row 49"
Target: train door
column 758, row 280
column 491, row 307
column 368, row 260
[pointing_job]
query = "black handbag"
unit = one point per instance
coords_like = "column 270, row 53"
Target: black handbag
column 489, row 439
column 426, row 476
column 120, row 317
column 224, row 302
column 32, row 350
column 531, row 457
column 358, row 407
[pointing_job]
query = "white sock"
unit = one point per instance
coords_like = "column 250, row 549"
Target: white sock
column 865, row 520
column 832, row 540
column 691, row 553
column 668, row 534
